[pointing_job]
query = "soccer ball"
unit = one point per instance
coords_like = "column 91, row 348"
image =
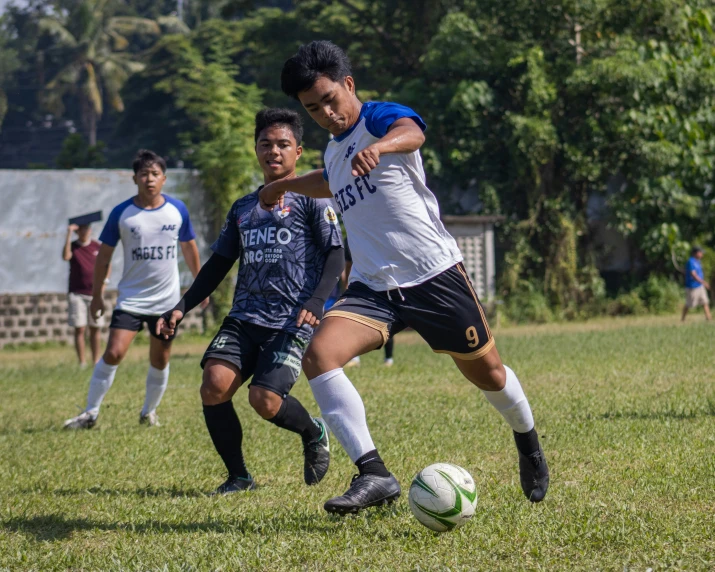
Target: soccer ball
column 443, row 496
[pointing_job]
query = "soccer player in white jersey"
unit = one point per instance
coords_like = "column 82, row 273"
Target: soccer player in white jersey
column 151, row 226
column 407, row 271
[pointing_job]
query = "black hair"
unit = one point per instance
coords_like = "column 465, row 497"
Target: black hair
column 695, row 250
column 278, row 116
column 312, row 60
column 144, row 158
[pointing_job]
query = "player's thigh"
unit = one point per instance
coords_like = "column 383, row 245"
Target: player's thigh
column 234, row 347
column 159, row 352
column 221, row 379
column 447, row 313
column 339, row 339
column 277, row 369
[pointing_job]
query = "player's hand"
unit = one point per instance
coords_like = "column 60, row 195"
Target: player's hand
column 365, row 161
column 307, row 317
column 204, row 304
column 271, row 196
column 168, row 322
column 72, row 228
column 96, row 307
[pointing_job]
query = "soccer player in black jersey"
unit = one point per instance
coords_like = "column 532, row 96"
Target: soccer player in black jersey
column 289, row 261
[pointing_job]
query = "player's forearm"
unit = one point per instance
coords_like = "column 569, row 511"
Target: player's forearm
column 401, row 139
column 205, row 282
column 332, row 270
column 310, row 185
column 191, row 256
column 101, row 272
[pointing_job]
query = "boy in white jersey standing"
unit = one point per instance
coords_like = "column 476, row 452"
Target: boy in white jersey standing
column 407, row 271
column 150, row 226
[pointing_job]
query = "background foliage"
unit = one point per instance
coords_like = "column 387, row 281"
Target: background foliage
column 536, row 111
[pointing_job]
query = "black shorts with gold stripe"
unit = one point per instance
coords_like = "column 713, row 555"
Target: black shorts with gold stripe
column 444, row 310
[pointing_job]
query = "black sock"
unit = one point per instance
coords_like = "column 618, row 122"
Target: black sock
column 294, row 417
column 227, row 436
column 371, row 464
column 389, row 347
column 527, row 443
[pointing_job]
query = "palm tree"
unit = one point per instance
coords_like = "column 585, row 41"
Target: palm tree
column 96, row 63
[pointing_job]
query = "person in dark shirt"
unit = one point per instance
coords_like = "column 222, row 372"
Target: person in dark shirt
column 289, row 260
column 82, row 254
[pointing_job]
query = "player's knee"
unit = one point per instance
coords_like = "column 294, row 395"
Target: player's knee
column 213, row 389
column 496, row 378
column 79, row 330
column 265, row 402
column 113, row 356
column 312, row 362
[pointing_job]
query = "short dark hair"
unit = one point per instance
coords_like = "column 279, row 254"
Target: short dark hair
column 266, row 118
column 144, row 158
column 695, row 250
column 312, row 60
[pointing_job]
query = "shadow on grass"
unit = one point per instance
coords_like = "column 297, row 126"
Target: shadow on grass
column 58, row 527
column 173, row 492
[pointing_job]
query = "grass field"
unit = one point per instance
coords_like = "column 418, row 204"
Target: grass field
column 626, row 410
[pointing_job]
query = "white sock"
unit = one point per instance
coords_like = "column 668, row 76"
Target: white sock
column 512, row 404
column 156, row 382
column 343, row 411
column 102, row 379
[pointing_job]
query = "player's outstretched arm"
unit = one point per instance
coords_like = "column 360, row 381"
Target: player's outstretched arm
column 311, row 185
column 403, row 136
column 206, row 281
column 101, row 272
column 193, row 261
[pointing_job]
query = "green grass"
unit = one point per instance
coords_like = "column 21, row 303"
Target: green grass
column 626, row 410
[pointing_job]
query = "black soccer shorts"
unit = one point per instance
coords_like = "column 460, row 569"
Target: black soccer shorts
column 445, row 311
column 122, row 320
column 272, row 357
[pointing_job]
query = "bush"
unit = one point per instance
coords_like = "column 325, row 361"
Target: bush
column 528, row 304
column 629, row 304
column 660, row 295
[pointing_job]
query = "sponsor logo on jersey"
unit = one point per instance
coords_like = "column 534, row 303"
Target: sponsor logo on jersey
column 154, row 253
column 136, row 231
column 168, row 227
column 330, row 216
column 351, row 149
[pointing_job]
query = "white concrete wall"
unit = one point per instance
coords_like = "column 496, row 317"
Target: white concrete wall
column 36, row 204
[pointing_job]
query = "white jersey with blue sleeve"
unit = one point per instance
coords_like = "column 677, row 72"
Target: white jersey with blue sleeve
column 150, row 282
column 392, row 219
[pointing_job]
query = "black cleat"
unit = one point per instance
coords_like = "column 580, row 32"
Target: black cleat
column 534, row 475
column 365, row 491
column 235, row 485
column 317, row 456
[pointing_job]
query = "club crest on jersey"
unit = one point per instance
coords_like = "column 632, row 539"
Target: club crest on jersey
column 330, row 216
column 350, row 151
column 284, row 212
column 136, row 231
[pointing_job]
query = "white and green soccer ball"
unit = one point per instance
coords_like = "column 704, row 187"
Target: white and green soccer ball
column 443, row 496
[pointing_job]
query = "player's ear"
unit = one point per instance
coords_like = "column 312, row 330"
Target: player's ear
column 350, row 84
column 134, row 178
column 298, row 152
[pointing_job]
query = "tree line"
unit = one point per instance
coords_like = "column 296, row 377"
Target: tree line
column 538, row 111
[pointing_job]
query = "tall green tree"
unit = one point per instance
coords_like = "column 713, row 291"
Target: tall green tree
column 93, row 45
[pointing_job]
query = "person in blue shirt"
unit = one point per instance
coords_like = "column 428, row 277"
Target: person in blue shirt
column 695, row 285
column 289, row 261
